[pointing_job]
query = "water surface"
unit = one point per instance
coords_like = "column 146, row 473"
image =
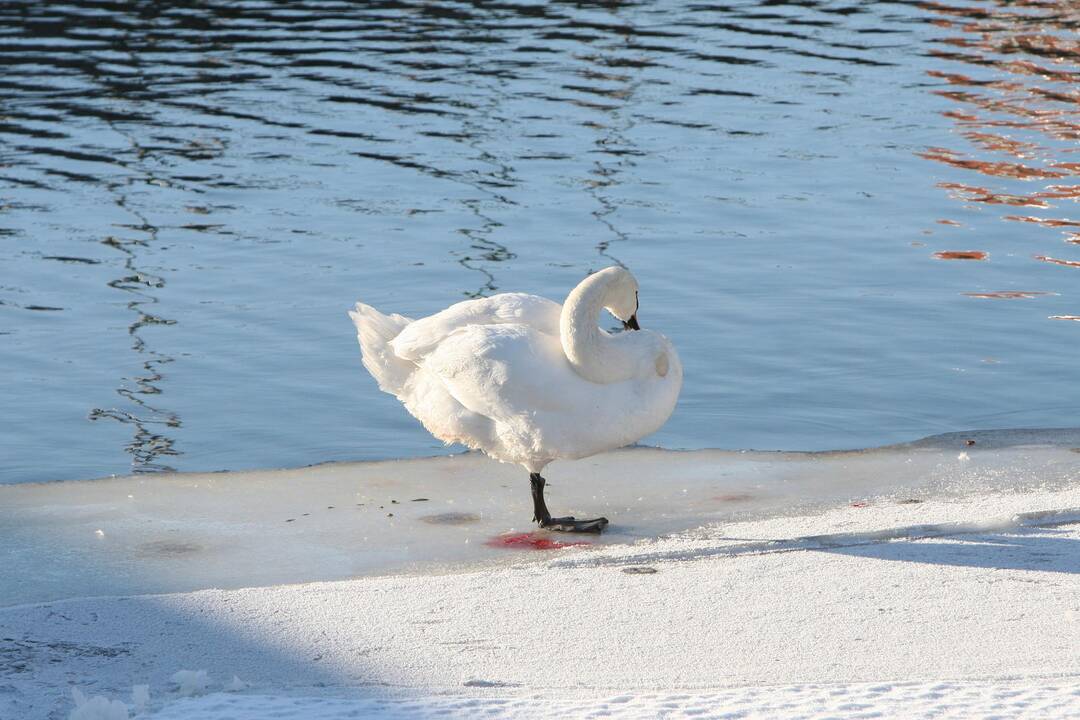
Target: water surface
column 855, row 220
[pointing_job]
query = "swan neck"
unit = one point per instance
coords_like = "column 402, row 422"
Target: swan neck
column 589, row 349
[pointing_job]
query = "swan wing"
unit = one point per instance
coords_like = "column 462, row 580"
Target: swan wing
column 419, row 339
column 503, row 371
column 538, row 407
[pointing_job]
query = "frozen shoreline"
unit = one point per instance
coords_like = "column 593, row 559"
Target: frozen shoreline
column 941, row 624
column 964, row 603
column 966, row 624
column 181, row 532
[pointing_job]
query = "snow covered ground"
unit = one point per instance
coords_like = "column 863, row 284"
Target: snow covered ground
column 856, row 700
column 953, row 593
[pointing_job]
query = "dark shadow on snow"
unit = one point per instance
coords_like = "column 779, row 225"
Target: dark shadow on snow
column 1041, row 550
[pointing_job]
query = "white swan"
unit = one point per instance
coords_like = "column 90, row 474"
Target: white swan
column 526, row 380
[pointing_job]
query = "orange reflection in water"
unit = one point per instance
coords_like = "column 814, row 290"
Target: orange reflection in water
column 1011, row 70
column 961, row 255
column 1009, row 294
column 971, row 193
column 1059, row 261
column 1045, row 222
column 997, row 169
column 1003, row 143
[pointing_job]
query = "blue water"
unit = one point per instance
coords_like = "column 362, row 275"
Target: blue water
column 190, row 199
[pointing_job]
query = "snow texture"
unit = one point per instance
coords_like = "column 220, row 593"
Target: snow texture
column 858, row 605
column 939, row 700
column 956, row 595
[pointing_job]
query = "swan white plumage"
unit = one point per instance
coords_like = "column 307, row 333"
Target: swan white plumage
column 526, row 380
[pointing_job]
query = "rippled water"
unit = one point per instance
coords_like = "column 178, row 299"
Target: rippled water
column 856, row 220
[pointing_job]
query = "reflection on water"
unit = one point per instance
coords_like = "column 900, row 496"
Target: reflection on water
column 613, row 146
column 191, row 195
column 150, row 424
column 961, row 255
column 1019, row 102
column 1008, row 295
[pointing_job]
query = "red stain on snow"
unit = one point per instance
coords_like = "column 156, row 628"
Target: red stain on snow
column 860, row 504
column 734, row 497
column 530, row 541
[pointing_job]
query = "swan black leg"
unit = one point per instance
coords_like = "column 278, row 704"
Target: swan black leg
column 565, row 524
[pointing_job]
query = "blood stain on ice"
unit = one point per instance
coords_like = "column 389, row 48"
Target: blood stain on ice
column 531, row 541
column 734, row 497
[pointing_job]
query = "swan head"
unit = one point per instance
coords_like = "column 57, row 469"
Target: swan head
column 621, row 296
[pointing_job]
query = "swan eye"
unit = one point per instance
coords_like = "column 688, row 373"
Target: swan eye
column 662, row 364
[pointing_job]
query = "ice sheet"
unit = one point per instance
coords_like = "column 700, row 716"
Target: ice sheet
column 179, row 532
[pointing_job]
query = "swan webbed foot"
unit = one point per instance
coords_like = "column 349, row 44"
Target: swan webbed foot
column 542, row 517
column 569, row 524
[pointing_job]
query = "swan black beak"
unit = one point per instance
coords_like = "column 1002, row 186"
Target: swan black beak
column 631, row 324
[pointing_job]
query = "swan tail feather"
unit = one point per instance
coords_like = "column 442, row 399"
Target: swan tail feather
column 375, row 330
